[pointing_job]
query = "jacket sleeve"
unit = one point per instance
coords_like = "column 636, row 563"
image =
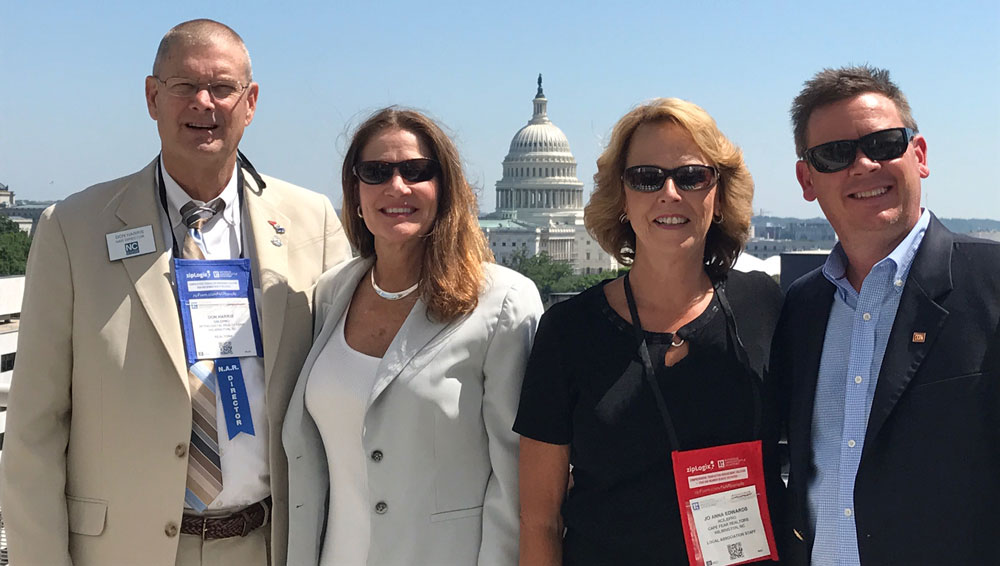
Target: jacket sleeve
column 33, row 479
column 337, row 249
column 503, row 369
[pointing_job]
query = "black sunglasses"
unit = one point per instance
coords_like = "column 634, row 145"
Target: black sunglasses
column 412, row 170
column 650, row 178
column 838, row 155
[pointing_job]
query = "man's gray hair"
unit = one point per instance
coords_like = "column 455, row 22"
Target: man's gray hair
column 199, row 32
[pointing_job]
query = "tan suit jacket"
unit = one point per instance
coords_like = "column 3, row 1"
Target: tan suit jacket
column 99, row 418
column 442, row 457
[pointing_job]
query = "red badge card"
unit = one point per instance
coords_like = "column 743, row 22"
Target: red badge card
column 723, row 504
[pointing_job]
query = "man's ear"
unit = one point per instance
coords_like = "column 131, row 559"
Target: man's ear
column 804, row 174
column 920, row 151
column 152, row 87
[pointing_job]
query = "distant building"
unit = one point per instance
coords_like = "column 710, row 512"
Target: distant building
column 25, row 214
column 770, row 239
column 6, row 196
column 540, row 199
column 11, row 291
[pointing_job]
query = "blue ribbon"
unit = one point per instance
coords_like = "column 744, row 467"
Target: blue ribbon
column 233, row 392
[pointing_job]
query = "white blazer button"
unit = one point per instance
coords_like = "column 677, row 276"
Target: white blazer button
column 171, row 529
column 377, row 455
column 381, row 507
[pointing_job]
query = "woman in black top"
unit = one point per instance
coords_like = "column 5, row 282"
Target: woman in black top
column 673, row 197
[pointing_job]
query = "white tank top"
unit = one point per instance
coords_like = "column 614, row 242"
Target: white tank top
column 337, row 392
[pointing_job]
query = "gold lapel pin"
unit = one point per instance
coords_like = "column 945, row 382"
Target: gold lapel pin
column 798, row 535
column 919, row 337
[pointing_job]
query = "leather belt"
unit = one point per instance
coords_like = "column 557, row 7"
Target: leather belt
column 237, row 524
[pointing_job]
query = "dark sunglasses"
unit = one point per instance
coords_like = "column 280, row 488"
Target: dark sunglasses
column 412, row 170
column 650, row 178
column 838, row 155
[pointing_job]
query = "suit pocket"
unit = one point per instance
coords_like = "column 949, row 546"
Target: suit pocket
column 86, row 516
column 955, row 380
column 457, row 514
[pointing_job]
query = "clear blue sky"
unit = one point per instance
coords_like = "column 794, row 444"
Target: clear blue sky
column 72, row 110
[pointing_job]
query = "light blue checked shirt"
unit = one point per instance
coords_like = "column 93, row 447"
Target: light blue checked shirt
column 856, row 336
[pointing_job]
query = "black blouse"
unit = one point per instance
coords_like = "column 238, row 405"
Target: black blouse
column 584, row 386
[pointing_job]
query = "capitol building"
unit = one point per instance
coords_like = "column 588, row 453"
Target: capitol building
column 540, row 200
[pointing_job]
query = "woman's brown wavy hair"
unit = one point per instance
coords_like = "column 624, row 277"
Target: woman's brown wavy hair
column 455, row 249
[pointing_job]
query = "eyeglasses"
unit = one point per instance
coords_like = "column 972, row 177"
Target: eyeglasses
column 221, row 90
column 650, row 178
column 838, row 155
column 412, row 170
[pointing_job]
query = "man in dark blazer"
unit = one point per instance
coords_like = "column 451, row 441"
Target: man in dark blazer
column 888, row 356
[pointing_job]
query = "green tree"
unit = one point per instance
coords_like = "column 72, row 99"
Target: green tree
column 14, row 246
column 541, row 269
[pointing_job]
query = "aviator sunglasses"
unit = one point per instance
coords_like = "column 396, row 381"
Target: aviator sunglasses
column 650, row 178
column 838, row 155
column 412, row 170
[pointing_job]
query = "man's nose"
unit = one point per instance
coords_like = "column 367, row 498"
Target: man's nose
column 202, row 98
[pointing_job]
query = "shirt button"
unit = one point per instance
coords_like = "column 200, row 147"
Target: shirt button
column 851, row 443
column 377, row 455
column 381, row 507
column 898, row 283
column 866, row 316
column 181, row 450
column 848, row 512
column 857, row 379
column 170, row 529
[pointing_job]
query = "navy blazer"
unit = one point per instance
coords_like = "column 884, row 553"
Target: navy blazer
column 927, row 489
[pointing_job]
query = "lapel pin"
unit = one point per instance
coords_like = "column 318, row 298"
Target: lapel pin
column 919, row 337
column 277, row 227
column 798, row 535
column 276, row 241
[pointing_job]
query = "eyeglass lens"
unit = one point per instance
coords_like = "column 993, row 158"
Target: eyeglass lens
column 878, row 146
column 412, row 170
column 650, row 178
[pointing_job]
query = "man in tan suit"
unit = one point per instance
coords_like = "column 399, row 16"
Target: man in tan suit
column 96, row 463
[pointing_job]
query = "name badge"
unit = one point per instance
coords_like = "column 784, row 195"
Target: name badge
column 218, row 310
column 723, row 502
column 131, row 242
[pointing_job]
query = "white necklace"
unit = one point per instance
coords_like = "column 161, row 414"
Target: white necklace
column 392, row 296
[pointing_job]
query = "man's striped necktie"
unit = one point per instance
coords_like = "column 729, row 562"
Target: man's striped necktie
column 204, row 477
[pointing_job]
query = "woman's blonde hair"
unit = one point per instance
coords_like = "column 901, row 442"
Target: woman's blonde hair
column 455, row 249
column 725, row 239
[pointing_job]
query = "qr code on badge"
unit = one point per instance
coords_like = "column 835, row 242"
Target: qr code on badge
column 226, row 348
column 735, row 550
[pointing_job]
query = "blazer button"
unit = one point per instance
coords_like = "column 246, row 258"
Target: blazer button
column 181, row 450
column 377, row 455
column 171, row 529
column 381, row 507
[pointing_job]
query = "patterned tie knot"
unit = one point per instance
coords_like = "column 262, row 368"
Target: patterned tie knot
column 196, row 215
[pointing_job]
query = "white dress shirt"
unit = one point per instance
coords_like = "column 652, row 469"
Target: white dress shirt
column 246, row 476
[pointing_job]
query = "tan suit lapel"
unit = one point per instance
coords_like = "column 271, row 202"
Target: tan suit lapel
column 416, row 333
column 271, row 265
column 151, row 274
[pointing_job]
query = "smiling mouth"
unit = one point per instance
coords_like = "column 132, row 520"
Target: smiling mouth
column 399, row 210
column 207, row 127
column 877, row 192
column 671, row 220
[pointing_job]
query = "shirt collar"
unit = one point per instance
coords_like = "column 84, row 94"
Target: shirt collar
column 835, row 267
column 177, row 197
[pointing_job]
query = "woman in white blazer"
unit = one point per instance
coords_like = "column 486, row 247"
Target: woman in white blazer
column 398, row 433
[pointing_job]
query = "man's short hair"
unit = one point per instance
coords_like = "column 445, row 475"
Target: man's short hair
column 199, row 32
column 833, row 85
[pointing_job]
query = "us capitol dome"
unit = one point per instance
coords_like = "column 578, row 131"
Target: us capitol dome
column 540, row 199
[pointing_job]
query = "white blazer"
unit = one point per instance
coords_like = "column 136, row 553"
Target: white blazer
column 442, row 465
